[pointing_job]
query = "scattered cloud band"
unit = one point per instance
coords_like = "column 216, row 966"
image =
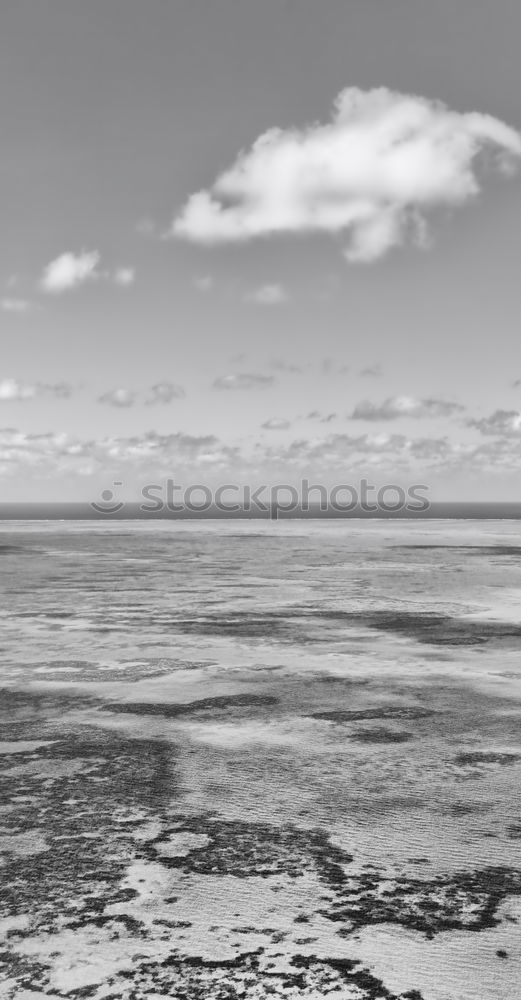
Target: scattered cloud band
column 404, row 406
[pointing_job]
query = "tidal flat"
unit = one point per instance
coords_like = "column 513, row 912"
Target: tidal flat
column 260, row 760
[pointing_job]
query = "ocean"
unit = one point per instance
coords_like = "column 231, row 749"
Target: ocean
column 260, row 759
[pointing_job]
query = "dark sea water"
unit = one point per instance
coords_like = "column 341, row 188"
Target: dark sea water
column 117, row 511
column 260, row 759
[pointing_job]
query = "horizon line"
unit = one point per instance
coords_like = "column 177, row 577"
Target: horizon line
column 81, row 510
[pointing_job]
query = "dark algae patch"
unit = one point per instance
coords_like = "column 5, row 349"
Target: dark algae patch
column 7, row 549
column 465, row 901
column 477, row 757
column 243, row 977
column 380, row 735
column 435, row 629
column 247, row 850
column 302, row 626
column 381, row 712
column 472, row 550
column 73, row 792
column 173, row 711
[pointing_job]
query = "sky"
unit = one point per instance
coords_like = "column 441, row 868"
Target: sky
column 254, row 242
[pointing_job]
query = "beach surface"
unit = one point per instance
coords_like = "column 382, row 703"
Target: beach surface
column 260, row 759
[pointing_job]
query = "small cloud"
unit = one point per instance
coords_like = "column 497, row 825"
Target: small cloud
column 164, row 392
column 118, row 397
column 12, row 390
column 323, row 418
column 60, row 390
column 279, row 365
column 245, row 380
column 276, row 424
column 504, row 423
column 13, row 305
column 69, row 271
column 204, row 283
column 160, row 393
column 404, row 406
column 124, row 276
column 330, row 367
column 371, row 371
column 268, row 295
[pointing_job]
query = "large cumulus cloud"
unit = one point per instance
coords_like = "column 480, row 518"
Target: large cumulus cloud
column 372, row 174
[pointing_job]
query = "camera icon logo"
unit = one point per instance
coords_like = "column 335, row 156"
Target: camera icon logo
column 108, row 502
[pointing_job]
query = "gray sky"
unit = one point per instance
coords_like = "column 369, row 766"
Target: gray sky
column 367, row 316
